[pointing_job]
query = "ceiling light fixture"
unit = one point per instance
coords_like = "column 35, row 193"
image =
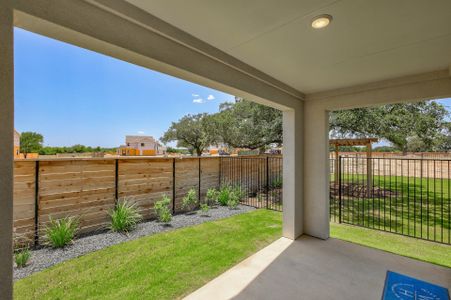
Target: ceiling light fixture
column 321, row 21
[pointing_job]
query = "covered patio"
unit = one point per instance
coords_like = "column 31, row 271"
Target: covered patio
column 309, row 268
column 372, row 53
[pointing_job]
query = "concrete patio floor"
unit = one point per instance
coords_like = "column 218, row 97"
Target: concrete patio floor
column 309, row 268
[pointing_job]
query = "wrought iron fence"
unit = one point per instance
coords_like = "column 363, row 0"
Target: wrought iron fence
column 258, row 178
column 411, row 197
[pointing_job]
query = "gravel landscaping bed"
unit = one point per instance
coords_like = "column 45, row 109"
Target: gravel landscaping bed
column 47, row 257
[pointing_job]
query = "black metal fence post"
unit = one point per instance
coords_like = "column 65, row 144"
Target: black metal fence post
column 339, row 189
column 200, row 174
column 267, row 182
column 36, row 205
column 173, row 185
column 116, row 182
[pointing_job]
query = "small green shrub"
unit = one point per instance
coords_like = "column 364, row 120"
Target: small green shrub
column 204, row 208
column 190, row 201
column 163, row 210
column 224, row 195
column 21, row 257
column 124, row 217
column 61, row 232
column 234, row 199
column 230, row 196
column 212, row 196
column 277, row 183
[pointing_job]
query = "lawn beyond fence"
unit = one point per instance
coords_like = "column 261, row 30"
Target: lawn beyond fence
column 401, row 196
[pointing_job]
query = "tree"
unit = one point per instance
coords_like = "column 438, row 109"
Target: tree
column 30, row 142
column 444, row 143
column 247, row 124
column 420, row 124
column 194, row 132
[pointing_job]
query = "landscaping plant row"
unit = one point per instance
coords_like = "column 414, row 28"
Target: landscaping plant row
column 125, row 217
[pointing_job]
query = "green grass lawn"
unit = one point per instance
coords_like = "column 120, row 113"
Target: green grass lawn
column 422, row 250
column 163, row 266
column 172, row 264
column 418, row 207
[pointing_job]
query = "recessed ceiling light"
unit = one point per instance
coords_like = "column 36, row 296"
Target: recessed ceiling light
column 321, row 21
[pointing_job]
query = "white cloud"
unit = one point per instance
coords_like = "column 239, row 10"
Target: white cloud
column 195, row 95
column 141, row 132
column 210, row 97
column 198, row 101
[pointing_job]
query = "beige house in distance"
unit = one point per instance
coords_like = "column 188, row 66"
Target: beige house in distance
column 16, row 144
column 137, row 145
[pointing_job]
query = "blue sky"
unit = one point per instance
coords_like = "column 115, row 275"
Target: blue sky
column 75, row 96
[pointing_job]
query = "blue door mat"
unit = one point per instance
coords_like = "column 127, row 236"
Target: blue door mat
column 402, row 287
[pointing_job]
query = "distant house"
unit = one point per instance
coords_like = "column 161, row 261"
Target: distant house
column 16, row 144
column 137, row 145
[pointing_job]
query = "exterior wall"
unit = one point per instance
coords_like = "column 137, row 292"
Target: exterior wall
column 6, row 148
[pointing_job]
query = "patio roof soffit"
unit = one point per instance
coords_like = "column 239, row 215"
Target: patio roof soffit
column 425, row 86
column 121, row 30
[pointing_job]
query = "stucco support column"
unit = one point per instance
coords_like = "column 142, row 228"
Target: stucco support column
column 6, row 148
column 293, row 172
column 316, row 168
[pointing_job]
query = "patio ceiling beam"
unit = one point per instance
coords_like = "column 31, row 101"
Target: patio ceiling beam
column 119, row 29
column 424, row 86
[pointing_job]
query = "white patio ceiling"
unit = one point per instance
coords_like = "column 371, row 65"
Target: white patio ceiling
column 367, row 40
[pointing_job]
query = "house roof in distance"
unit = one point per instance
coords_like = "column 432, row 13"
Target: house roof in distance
column 139, row 139
column 353, row 142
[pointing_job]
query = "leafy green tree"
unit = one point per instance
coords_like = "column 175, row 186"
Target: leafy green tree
column 194, row 132
column 444, row 143
column 247, row 124
column 30, row 142
column 420, row 123
column 175, row 150
column 48, row 150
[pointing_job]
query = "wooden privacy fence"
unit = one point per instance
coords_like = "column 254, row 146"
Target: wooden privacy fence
column 88, row 189
column 377, row 166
